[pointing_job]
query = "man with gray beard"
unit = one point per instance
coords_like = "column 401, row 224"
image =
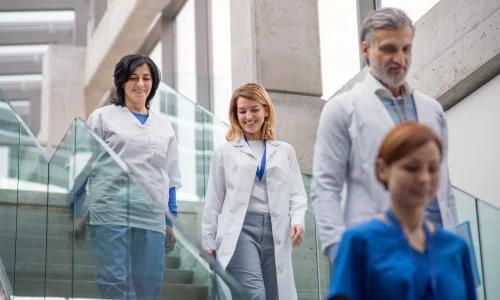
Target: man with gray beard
column 354, row 123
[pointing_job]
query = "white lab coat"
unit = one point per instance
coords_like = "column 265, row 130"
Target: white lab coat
column 140, row 198
column 232, row 175
column 351, row 128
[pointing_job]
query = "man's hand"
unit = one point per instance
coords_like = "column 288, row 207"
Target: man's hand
column 170, row 242
column 297, row 234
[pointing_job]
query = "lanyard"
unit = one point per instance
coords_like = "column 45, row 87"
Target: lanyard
column 260, row 171
column 430, row 254
column 405, row 106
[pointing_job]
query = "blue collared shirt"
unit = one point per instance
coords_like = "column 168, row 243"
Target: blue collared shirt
column 432, row 212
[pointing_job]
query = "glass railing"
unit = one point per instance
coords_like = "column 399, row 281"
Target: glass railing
column 484, row 220
column 43, row 201
column 10, row 130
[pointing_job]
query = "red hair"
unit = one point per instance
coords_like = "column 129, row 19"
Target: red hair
column 403, row 140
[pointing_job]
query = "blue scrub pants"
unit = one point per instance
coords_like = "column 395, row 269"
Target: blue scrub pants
column 129, row 262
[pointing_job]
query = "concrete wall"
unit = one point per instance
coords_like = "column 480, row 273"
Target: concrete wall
column 62, row 92
column 474, row 143
column 297, row 121
column 275, row 43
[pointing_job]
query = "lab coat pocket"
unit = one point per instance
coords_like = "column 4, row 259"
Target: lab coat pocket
column 158, row 160
column 159, row 148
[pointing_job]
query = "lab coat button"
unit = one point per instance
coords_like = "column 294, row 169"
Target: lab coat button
column 278, row 242
column 275, row 215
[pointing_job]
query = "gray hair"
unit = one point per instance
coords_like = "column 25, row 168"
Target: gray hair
column 384, row 18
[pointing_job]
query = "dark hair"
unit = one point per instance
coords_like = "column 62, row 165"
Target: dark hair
column 124, row 69
column 403, row 140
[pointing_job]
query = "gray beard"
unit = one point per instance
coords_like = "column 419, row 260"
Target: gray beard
column 387, row 78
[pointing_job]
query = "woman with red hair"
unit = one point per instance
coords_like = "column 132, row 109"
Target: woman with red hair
column 399, row 255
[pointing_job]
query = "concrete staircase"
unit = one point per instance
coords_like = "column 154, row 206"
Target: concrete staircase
column 40, row 261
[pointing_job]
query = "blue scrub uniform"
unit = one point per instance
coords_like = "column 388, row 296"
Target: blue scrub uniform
column 374, row 262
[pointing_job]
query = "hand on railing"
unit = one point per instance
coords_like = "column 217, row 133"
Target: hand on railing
column 170, row 242
column 209, row 257
column 77, row 231
column 211, row 253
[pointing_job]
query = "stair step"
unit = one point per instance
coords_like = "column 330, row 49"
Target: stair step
column 11, row 214
column 81, row 272
column 27, row 227
column 81, row 257
column 88, row 289
column 40, row 242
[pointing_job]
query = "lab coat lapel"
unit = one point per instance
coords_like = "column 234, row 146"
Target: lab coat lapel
column 271, row 148
column 243, row 146
column 373, row 102
column 426, row 113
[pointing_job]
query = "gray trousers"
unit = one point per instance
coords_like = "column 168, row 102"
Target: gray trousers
column 253, row 264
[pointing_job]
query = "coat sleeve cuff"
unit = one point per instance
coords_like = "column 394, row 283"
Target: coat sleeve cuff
column 208, row 245
column 298, row 220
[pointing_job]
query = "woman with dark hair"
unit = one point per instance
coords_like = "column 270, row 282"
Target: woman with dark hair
column 399, row 255
column 128, row 226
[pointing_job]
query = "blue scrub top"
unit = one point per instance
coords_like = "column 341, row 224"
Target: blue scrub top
column 374, row 262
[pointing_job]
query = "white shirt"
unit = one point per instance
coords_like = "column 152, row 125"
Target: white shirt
column 258, row 199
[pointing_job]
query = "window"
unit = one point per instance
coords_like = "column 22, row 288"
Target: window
column 199, row 145
column 221, row 57
column 200, row 175
column 340, row 59
column 156, row 56
column 172, row 105
column 186, row 55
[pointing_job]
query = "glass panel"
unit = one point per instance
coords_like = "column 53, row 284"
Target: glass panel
column 340, row 47
column 9, row 174
column 415, row 9
column 466, row 207
column 31, row 217
column 187, row 120
column 100, row 197
column 308, row 263
column 489, row 223
column 226, row 288
column 49, row 255
column 59, row 264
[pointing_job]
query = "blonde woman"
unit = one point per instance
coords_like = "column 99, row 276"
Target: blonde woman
column 256, row 201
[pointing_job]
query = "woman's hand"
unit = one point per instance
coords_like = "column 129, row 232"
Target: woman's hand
column 297, row 234
column 77, row 231
column 171, row 240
